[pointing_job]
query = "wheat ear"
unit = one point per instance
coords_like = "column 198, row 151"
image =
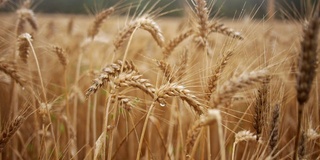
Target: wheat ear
column 25, row 15
column 61, row 56
column 168, row 48
column 182, row 64
column 307, row 68
column 203, row 16
column 221, row 28
column 213, row 115
column 213, row 79
column 110, row 71
column 274, row 132
column 174, row 89
column 260, row 107
column 96, row 25
column 144, row 23
column 229, row 88
column 9, row 68
column 8, row 133
column 167, row 70
column 242, row 136
column 23, row 46
column 134, row 79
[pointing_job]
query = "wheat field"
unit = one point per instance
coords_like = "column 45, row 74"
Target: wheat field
column 109, row 86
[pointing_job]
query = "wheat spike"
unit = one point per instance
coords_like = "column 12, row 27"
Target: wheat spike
column 274, row 132
column 203, row 16
column 182, row 64
column 166, row 69
column 260, row 107
column 307, row 68
column 95, row 27
column 229, row 88
column 174, row 89
column 8, row 133
column 167, row 49
column 144, row 23
column 110, row 71
column 134, row 79
column 213, row 79
column 9, row 68
column 61, row 55
column 24, row 46
column 25, row 15
column 221, row 28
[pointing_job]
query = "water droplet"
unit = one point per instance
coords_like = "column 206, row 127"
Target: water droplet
column 162, row 104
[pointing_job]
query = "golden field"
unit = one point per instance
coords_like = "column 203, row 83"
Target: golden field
column 149, row 87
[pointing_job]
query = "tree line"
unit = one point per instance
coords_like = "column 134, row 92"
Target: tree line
column 225, row 8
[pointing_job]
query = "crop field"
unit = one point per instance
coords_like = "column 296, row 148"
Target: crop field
column 144, row 86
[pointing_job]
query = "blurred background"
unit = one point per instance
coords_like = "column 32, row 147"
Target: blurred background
column 222, row 8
